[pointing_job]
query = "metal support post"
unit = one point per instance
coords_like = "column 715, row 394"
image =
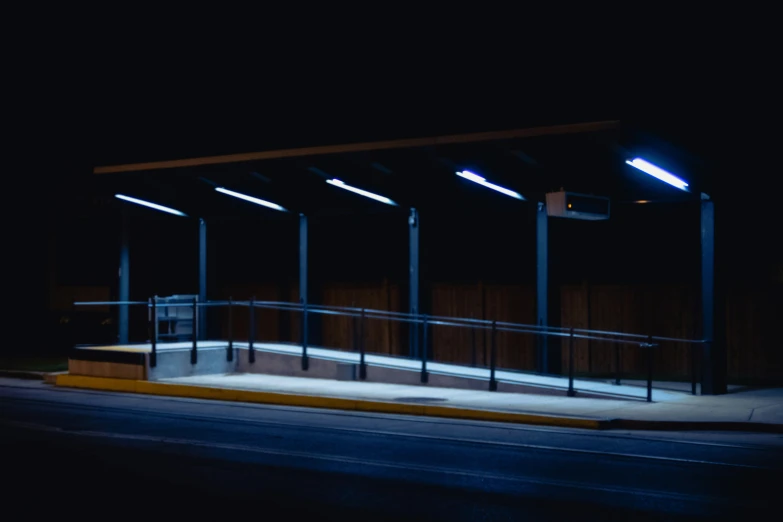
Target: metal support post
column 303, row 286
column 424, row 374
column 230, row 349
column 202, row 277
column 542, row 282
column 413, row 279
column 493, row 384
column 649, row 368
column 193, row 351
column 714, row 355
column 251, row 354
column 694, row 374
column 124, row 277
column 571, row 391
column 153, row 326
column 305, row 361
column 362, row 365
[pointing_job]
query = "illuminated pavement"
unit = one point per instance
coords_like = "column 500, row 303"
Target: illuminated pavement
column 765, row 406
column 543, row 381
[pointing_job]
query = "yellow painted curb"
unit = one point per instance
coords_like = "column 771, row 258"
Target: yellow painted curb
column 310, row 401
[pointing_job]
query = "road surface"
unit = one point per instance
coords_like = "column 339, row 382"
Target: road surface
column 98, row 455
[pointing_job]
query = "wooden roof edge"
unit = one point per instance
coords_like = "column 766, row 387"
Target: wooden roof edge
column 572, row 128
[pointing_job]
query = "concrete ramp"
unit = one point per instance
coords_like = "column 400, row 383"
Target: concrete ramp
column 174, row 360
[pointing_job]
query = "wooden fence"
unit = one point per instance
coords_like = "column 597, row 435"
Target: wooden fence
column 753, row 324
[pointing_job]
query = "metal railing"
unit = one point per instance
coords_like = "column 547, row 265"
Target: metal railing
column 647, row 342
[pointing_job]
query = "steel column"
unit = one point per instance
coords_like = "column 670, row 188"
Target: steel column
column 571, row 392
column 251, row 354
column 541, row 285
column 302, row 258
column 493, row 384
column 713, row 360
column 362, row 363
column 124, row 276
column 202, row 278
column 303, row 285
column 650, row 355
column 230, row 349
column 152, row 312
column 424, row 344
column 194, row 350
column 413, row 282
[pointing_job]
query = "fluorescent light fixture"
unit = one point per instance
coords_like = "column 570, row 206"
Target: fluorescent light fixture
column 337, row 183
column 251, row 199
column 150, row 205
column 658, row 172
column 481, row 181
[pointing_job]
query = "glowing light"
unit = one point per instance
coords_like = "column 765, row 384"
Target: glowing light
column 658, row 172
column 570, row 205
column 251, row 199
column 150, row 205
column 475, row 178
column 337, row 183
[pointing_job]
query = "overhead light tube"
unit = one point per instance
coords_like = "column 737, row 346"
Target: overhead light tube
column 337, row 183
column 251, row 199
column 475, row 178
column 150, row 205
column 657, row 172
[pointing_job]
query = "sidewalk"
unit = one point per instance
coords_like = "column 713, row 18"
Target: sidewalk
column 743, row 410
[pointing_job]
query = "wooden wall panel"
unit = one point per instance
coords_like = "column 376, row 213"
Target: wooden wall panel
column 516, row 304
column 606, row 313
column 452, row 344
column 754, row 334
column 268, row 322
column 574, row 313
column 380, row 336
column 753, row 324
column 674, row 311
column 662, row 310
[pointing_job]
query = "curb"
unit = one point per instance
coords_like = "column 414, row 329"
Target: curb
column 311, row 401
column 631, row 424
column 23, row 374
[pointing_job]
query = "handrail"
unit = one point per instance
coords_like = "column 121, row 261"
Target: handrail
column 642, row 341
column 554, row 331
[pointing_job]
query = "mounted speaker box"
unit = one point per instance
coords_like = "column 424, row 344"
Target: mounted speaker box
column 577, row 206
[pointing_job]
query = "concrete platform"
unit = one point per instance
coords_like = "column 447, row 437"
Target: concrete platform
column 173, row 361
column 750, row 410
column 749, row 406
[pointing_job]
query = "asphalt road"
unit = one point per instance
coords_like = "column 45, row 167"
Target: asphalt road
column 96, row 455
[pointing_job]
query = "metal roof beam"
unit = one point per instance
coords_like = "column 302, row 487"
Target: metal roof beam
column 367, row 146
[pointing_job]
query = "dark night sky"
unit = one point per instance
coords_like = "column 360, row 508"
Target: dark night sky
column 131, row 114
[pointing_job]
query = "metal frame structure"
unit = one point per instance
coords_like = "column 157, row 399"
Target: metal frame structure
column 713, row 352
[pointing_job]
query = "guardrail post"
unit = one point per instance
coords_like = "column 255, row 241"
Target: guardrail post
column 424, row 375
column 193, row 351
column 230, row 349
column 152, row 314
column 251, row 354
column 305, row 361
column 493, row 384
column 617, row 363
column 649, row 367
column 362, row 365
column 571, row 391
